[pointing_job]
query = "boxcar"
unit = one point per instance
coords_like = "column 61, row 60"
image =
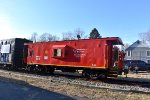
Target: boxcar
column 11, row 52
column 96, row 57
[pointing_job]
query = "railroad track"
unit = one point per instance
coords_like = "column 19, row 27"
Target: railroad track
column 76, row 79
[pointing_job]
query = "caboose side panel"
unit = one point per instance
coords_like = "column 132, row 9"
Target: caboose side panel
column 83, row 53
column 95, row 57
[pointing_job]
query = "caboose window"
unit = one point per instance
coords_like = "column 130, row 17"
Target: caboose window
column 57, row 52
column 31, row 53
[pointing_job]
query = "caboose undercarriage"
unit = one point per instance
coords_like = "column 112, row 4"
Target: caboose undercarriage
column 85, row 72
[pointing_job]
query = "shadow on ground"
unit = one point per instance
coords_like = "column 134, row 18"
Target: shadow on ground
column 19, row 90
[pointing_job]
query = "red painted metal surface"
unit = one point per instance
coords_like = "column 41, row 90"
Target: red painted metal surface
column 121, row 59
column 89, row 53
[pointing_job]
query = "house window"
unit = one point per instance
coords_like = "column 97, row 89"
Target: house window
column 148, row 61
column 129, row 53
column 5, row 42
column 57, row 52
column 148, row 53
column 8, row 42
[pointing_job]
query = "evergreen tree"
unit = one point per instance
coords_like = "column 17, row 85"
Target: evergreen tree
column 94, row 34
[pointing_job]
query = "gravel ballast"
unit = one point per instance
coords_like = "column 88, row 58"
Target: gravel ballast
column 72, row 88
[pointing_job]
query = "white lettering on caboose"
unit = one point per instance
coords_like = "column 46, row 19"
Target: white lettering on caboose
column 79, row 52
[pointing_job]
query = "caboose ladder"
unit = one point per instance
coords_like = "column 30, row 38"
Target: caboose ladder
column 112, row 72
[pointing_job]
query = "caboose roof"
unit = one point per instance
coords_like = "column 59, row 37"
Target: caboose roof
column 114, row 40
column 11, row 39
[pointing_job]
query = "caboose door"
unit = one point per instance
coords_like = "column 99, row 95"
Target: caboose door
column 25, row 54
column 109, row 56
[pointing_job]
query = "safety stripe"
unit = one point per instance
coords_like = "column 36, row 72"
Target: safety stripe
column 99, row 67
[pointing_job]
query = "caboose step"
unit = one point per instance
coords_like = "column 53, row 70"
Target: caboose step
column 112, row 75
column 112, row 71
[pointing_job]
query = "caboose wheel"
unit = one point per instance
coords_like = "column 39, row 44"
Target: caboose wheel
column 90, row 74
column 50, row 70
column 85, row 74
column 42, row 69
column 94, row 75
column 31, row 69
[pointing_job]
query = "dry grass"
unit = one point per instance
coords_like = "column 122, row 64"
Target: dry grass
column 139, row 75
column 81, row 91
column 136, row 77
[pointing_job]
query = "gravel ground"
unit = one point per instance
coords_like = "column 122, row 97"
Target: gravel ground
column 76, row 91
column 141, row 77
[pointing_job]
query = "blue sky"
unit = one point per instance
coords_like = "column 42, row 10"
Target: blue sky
column 112, row 18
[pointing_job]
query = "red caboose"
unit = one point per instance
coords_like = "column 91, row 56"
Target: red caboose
column 96, row 57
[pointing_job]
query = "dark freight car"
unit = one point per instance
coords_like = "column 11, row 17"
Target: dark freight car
column 11, row 51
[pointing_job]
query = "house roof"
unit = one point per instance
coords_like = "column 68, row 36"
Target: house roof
column 138, row 43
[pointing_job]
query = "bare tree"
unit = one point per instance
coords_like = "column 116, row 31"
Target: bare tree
column 68, row 36
column 45, row 37
column 85, row 36
column 34, row 37
column 79, row 33
column 55, row 38
column 142, row 36
column 145, row 36
column 126, row 45
column 64, row 36
column 148, row 36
